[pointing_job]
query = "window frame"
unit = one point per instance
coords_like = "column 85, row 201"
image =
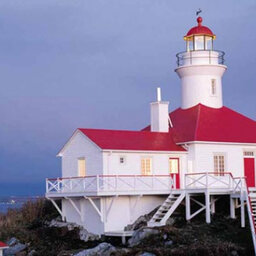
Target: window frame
column 124, row 160
column 79, row 166
column 250, row 155
column 178, row 165
column 145, row 172
column 213, row 86
column 219, row 172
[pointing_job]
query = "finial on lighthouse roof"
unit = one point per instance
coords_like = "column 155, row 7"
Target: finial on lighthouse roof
column 199, row 21
column 199, row 30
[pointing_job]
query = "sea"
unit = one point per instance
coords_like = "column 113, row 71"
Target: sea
column 13, row 202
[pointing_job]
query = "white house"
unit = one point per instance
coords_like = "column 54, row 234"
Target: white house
column 111, row 177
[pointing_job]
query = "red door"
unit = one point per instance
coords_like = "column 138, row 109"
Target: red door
column 249, row 171
column 174, row 169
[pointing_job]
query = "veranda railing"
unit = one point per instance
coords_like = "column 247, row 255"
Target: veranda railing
column 111, row 183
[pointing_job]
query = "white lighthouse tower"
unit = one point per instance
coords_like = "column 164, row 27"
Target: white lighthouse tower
column 200, row 69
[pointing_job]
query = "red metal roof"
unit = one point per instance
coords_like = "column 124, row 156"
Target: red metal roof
column 202, row 123
column 3, row 245
column 132, row 140
column 199, row 29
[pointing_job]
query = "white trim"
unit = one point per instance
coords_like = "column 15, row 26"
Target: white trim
column 144, row 151
column 57, row 208
column 215, row 142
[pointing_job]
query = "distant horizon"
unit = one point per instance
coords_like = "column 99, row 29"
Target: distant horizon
column 97, row 64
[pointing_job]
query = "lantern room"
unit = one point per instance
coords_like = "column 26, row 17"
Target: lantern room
column 199, row 38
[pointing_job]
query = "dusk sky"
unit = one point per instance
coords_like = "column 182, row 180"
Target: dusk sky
column 96, row 64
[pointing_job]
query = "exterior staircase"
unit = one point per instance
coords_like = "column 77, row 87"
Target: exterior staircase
column 166, row 209
column 251, row 207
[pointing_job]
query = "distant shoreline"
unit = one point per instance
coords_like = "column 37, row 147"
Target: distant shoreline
column 14, row 202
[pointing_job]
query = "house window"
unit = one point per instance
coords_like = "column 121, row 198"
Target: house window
column 248, row 153
column 213, row 87
column 122, row 160
column 219, row 165
column 173, row 165
column 81, row 167
column 146, row 166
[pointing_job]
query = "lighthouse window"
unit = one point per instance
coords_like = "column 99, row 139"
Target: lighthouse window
column 199, row 42
column 190, row 44
column 208, row 43
column 213, row 87
column 219, row 165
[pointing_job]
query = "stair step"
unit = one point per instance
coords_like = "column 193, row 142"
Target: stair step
column 165, row 210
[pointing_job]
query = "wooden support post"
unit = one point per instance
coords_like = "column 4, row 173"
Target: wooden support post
column 207, row 207
column 57, row 208
column 123, row 239
column 188, row 210
column 242, row 213
column 232, row 208
column 212, row 204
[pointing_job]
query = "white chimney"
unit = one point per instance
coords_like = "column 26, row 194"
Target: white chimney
column 159, row 114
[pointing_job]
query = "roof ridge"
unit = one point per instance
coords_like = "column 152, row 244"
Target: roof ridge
column 243, row 115
column 115, row 130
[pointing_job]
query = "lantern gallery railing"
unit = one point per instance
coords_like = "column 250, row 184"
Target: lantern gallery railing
column 111, row 184
column 200, row 57
column 211, row 180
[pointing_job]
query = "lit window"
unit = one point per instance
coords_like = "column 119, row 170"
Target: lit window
column 174, row 165
column 219, row 165
column 122, row 160
column 208, row 43
column 81, row 167
column 199, row 42
column 213, row 87
column 146, row 166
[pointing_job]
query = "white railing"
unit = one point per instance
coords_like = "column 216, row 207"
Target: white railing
column 111, row 183
column 211, row 180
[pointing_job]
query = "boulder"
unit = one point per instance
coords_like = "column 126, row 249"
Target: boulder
column 84, row 235
column 141, row 234
column 141, row 221
column 32, row 253
column 147, row 254
column 102, row 249
column 168, row 243
column 60, row 224
column 13, row 241
column 15, row 249
column 87, row 236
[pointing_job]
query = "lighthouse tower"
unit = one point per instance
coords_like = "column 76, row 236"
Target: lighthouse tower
column 200, row 69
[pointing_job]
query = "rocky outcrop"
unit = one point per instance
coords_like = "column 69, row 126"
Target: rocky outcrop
column 141, row 221
column 105, row 249
column 146, row 254
column 141, row 234
column 83, row 233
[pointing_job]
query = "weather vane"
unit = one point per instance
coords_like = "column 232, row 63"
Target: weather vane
column 198, row 11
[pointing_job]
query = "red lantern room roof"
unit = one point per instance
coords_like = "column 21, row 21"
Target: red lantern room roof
column 199, row 30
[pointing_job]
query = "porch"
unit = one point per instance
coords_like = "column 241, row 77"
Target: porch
column 111, row 185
